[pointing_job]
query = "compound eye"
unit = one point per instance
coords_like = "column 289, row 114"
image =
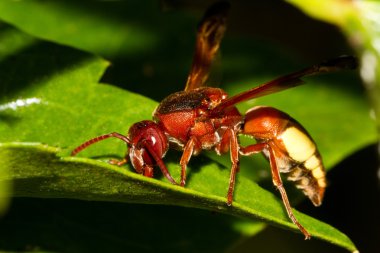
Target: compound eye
column 157, row 142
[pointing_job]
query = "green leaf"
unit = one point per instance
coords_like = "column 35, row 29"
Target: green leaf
column 58, row 102
column 138, row 37
column 5, row 191
column 79, row 27
column 38, row 172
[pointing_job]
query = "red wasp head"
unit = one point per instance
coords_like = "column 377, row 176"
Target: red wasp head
column 147, row 145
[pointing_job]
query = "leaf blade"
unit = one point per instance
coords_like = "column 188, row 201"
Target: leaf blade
column 88, row 179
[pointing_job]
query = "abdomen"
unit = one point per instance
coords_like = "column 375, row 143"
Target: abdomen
column 296, row 152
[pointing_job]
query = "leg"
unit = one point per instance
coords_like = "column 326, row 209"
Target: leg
column 278, row 183
column 160, row 164
column 234, row 154
column 252, row 149
column 118, row 162
column 255, row 148
column 188, row 151
column 229, row 142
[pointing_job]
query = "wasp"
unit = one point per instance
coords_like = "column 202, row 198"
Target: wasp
column 205, row 118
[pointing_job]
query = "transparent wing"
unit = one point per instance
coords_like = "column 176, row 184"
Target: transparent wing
column 210, row 33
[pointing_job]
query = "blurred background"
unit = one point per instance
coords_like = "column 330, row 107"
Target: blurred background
column 150, row 51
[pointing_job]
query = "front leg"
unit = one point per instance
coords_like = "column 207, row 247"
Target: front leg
column 160, row 163
column 118, row 162
column 188, row 151
column 145, row 167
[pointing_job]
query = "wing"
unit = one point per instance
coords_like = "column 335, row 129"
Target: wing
column 210, row 33
column 288, row 81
